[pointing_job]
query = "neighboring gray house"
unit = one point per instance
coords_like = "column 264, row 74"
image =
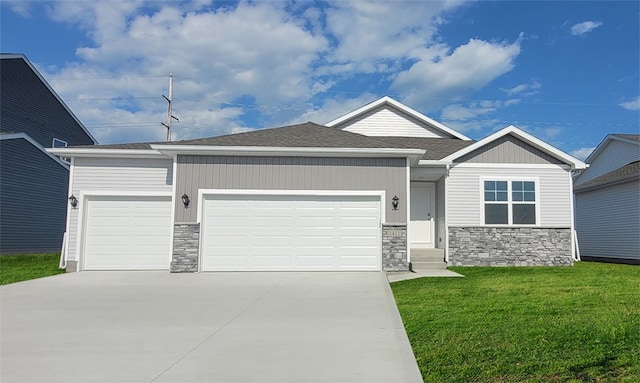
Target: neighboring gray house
column 33, row 182
column 607, row 198
column 375, row 189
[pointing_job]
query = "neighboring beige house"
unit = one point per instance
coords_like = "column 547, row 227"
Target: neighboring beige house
column 372, row 190
column 607, row 198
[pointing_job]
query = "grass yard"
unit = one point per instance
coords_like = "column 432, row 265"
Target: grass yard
column 546, row 324
column 16, row 268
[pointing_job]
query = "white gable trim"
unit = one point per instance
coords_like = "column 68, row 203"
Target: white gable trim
column 24, row 136
column 395, row 104
column 526, row 137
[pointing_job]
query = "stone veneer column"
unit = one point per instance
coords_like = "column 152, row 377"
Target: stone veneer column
column 504, row 246
column 186, row 242
column 394, row 247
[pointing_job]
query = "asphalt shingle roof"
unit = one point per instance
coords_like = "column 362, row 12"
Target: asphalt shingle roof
column 629, row 171
column 312, row 135
column 635, row 137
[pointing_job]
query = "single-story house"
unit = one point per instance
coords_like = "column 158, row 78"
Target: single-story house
column 360, row 193
column 607, row 198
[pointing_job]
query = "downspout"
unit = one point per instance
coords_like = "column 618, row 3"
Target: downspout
column 446, row 213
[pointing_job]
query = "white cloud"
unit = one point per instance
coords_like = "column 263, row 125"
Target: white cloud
column 631, row 105
column 584, row 27
column 468, row 67
column 455, row 112
column 582, row 153
column 523, row 89
column 20, row 7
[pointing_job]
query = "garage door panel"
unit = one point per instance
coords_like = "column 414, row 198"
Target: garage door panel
column 127, row 233
column 291, row 232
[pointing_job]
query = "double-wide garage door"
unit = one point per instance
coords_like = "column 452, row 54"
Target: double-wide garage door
column 290, row 232
column 127, row 233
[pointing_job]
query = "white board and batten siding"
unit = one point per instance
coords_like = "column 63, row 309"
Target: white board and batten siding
column 615, row 155
column 465, row 194
column 387, row 121
column 111, row 175
column 608, row 221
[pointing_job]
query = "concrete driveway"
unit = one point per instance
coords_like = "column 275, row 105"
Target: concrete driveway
column 208, row 327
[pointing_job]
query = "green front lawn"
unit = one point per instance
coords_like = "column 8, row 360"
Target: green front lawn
column 546, row 324
column 16, row 268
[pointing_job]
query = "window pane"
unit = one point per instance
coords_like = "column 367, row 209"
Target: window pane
column 516, row 196
column 524, row 214
column 529, row 196
column 495, row 214
column 489, row 196
column 501, row 196
column 501, row 185
column 529, row 186
column 516, row 186
column 489, row 185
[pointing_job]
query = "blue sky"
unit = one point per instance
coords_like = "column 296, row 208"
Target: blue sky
column 567, row 72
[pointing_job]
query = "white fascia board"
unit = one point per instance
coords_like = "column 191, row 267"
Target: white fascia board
column 438, row 163
column 95, row 152
column 171, row 150
column 575, row 163
column 402, row 107
column 24, row 136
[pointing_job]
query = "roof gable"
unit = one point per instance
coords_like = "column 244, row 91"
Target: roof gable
column 633, row 139
column 31, row 105
column 552, row 154
column 388, row 117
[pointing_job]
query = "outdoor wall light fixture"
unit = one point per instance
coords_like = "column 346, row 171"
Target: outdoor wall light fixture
column 185, row 200
column 73, row 201
column 394, row 202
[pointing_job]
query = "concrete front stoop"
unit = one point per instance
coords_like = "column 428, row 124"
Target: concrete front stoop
column 427, row 259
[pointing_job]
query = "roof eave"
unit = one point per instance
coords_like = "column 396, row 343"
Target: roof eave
column 172, row 150
column 112, row 153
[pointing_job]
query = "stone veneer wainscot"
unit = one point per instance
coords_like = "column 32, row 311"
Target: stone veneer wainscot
column 186, row 242
column 505, row 246
column 394, row 247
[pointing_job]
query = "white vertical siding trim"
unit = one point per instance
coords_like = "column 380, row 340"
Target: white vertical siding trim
column 174, row 170
column 408, row 198
column 573, row 218
column 446, row 214
column 69, row 209
column 114, row 174
column 464, row 194
column 613, row 156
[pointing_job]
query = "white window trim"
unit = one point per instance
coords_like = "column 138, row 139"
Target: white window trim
column 53, row 143
column 510, row 202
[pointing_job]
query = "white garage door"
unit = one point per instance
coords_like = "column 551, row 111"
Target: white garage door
column 127, row 233
column 290, row 232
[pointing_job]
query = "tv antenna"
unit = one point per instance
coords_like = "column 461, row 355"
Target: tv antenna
column 170, row 116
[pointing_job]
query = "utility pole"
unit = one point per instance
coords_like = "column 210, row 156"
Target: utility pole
column 170, row 116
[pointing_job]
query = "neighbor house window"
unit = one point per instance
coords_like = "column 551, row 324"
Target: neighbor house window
column 509, row 202
column 58, row 143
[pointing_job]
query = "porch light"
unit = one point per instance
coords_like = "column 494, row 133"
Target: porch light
column 185, row 200
column 73, row 201
column 394, row 202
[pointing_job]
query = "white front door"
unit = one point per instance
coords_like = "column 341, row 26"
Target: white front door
column 422, row 215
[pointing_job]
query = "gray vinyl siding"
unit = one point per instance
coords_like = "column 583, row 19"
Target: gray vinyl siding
column 33, row 202
column 509, row 150
column 116, row 174
column 615, row 155
column 29, row 107
column 290, row 173
column 608, row 221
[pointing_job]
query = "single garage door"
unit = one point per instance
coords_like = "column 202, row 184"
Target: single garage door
column 127, row 233
column 290, row 232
